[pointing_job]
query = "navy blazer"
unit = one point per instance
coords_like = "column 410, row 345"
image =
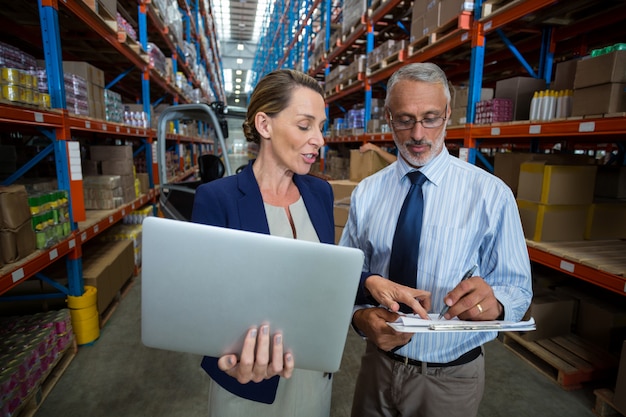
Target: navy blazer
column 236, row 202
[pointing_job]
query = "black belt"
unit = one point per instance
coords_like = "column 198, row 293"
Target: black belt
column 461, row 360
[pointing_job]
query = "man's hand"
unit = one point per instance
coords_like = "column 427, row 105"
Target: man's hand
column 390, row 294
column 473, row 299
column 373, row 323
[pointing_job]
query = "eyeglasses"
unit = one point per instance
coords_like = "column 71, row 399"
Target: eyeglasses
column 427, row 123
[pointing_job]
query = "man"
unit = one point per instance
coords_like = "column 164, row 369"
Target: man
column 469, row 218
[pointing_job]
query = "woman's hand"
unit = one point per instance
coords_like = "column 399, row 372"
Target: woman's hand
column 255, row 362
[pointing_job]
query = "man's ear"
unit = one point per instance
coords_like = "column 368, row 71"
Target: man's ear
column 262, row 124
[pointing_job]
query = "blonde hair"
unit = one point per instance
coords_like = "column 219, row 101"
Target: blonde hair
column 273, row 94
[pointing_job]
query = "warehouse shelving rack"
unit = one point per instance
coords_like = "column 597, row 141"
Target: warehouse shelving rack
column 45, row 25
column 465, row 47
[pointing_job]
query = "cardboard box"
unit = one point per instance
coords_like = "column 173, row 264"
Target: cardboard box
column 91, row 167
column 106, row 153
column 144, row 182
column 601, row 322
column 553, row 316
column 341, row 211
column 619, row 398
column 342, row 188
column 520, row 90
column 599, row 99
column 507, row 164
column 540, row 182
column 364, row 164
column 451, row 9
column 606, row 221
column 117, row 167
column 564, row 75
column 551, row 223
column 85, row 70
column 611, row 182
column 602, row 69
column 14, row 209
column 107, row 267
column 338, row 232
column 17, row 243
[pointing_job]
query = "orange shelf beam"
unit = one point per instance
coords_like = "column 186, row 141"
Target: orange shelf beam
column 600, row 278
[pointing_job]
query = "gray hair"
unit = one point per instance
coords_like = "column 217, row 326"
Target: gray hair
column 421, row 71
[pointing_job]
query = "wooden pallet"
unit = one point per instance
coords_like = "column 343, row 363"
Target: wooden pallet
column 463, row 22
column 384, row 63
column 33, row 401
column 349, row 82
column 350, row 31
column 568, row 360
column 604, row 404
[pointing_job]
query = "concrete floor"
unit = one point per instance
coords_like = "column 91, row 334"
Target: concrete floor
column 118, row 376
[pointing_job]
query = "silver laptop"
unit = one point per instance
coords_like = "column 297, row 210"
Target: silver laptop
column 202, row 287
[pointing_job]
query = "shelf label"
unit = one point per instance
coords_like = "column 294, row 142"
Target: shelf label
column 587, row 127
column 17, row 275
column 495, row 131
column 38, row 117
column 534, row 129
column 73, row 155
column 123, row 212
column 117, row 129
column 110, row 219
column 83, row 236
column 127, row 130
column 464, row 37
column 87, row 124
column 488, row 25
column 104, row 126
column 567, row 266
column 72, row 244
column 96, row 229
column 54, row 253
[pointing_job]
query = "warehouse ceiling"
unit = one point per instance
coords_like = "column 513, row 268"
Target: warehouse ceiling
column 238, row 23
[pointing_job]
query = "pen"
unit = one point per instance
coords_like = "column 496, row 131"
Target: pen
column 467, row 275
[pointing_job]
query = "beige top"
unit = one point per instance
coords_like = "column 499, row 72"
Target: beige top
column 279, row 222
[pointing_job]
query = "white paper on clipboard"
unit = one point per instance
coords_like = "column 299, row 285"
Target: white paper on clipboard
column 412, row 323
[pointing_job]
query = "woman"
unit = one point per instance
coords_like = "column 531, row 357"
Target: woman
column 272, row 195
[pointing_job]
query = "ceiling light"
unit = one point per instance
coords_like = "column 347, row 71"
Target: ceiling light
column 239, row 61
column 240, row 46
column 238, row 72
column 237, row 91
column 237, row 80
column 236, row 100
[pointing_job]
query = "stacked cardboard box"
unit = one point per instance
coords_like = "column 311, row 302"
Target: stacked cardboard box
column 554, row 200
column 507, row 164
column 17, row 238
column 599, row 85
column 429, row 16
column 352, row 11
column 94, row 79
column 110, row 161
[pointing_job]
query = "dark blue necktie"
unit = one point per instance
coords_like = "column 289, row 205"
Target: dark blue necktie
column 406, row 240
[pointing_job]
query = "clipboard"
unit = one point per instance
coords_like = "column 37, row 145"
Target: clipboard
column 412, row 323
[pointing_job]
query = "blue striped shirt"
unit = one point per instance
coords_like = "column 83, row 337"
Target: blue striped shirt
column 470, row 217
